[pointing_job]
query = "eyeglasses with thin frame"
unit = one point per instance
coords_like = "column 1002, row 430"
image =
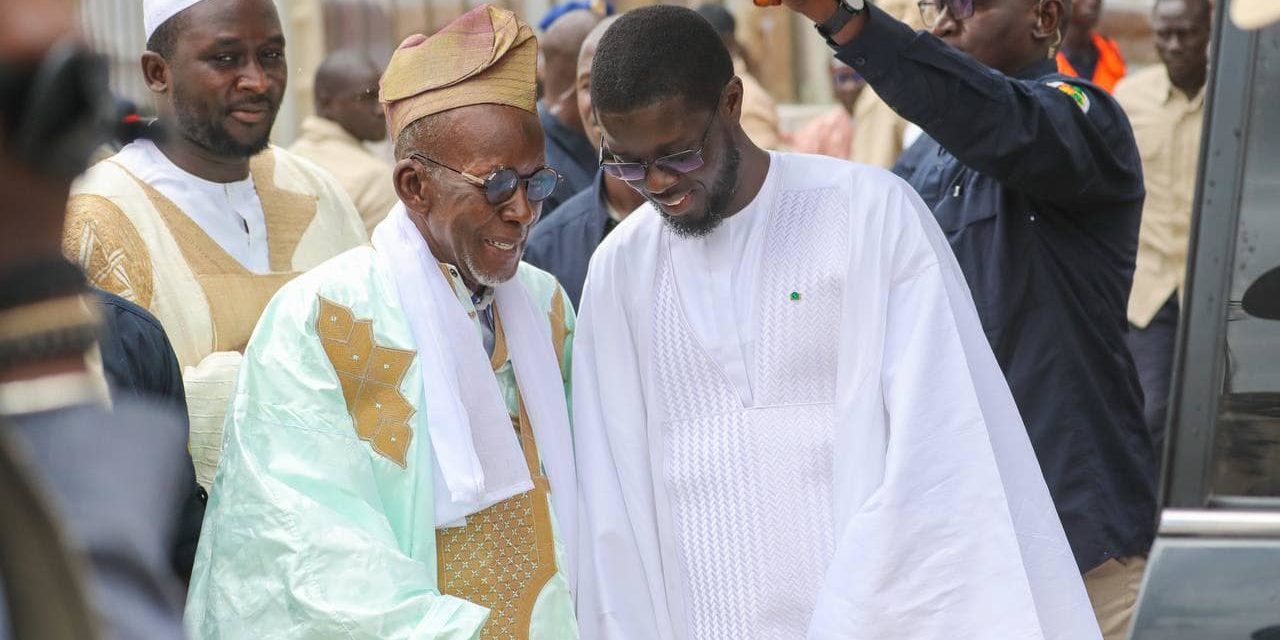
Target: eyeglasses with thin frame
column 931, row 10
column 679, row 163
column 501, row 185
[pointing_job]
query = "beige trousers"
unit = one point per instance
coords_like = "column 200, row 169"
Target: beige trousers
column 1113, row 591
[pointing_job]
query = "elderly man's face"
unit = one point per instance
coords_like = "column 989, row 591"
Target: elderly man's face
column 228, row 75
column 693, row 203
column 998, row 34
column 485, row 241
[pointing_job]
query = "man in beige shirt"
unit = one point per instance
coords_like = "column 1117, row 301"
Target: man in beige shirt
column 881, row 133
column 1165, row 104
column 348, row 114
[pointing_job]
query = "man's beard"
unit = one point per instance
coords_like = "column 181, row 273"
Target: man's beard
column 209, row 133
column 726, row 183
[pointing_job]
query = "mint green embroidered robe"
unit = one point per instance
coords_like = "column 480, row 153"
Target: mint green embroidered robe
column 312, row 531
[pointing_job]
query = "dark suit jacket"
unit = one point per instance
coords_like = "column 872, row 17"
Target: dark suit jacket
column 139, row 362
column 563, row 243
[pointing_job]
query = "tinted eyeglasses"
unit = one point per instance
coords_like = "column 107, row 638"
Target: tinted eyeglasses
column 676, row 163
column 502, row 184
column 931, row 10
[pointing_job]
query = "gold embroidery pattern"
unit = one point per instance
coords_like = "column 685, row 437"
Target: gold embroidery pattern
column 288, row 214
column 221, row 276
column 494, row 562
column 370, row 376
column 103, row 241
column 559, row 328
column 504, row 555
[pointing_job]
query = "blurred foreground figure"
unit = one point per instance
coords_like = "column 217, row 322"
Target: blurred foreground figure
column 347, row 114
column 399, row 462
column 788, row 420
column 202, row 228
column 1254, row 14
column 1165, row 104
column 113, row 473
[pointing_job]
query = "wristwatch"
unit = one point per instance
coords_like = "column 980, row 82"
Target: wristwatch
column 845, row 11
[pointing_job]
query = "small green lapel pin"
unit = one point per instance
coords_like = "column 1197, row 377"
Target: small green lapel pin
column 795, row 296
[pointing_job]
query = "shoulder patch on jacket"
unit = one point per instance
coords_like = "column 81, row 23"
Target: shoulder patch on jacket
column 1077, row 94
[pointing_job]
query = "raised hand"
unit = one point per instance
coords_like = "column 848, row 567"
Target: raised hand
column 815, row 10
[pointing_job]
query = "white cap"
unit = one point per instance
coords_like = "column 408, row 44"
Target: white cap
column 1254, row 14
column 156, row 12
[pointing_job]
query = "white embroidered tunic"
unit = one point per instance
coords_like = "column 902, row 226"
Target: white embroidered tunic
column 795, row 428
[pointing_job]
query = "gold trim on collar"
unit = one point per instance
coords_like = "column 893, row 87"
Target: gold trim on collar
column 288, row 214
column 559, row 328
column 236, row 296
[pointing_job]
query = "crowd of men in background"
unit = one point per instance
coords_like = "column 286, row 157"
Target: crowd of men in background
column 1071, row 236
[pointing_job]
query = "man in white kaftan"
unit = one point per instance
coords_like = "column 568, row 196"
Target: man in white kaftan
column 788, row 422
column 202, row 228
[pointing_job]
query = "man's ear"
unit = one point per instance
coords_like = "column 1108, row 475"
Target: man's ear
column 1049, row 20
column 733, row 100
column 155, row 71
column 411, row 186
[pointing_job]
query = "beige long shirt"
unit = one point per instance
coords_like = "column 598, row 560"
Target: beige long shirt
column 135, row 241
column 1167, row 125
column 878, row 129
column 362, row 175
column 759, row 111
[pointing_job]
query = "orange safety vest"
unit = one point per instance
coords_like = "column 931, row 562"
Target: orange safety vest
column 1110, row 67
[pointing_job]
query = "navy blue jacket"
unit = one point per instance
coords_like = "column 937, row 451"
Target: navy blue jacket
column 563, row 243
column 1037, row 183
column 570, row 153
column 139, row 362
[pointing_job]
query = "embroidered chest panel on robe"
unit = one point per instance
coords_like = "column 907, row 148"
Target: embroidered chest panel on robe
column 370, row 375
column 751, row 487
column 236, row 295
column 504, row 555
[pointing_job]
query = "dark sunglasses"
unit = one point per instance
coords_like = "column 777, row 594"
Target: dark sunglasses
column 502, row 184
column 676, row 163
column 931, row 10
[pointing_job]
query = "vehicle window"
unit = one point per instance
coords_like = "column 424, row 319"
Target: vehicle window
column 1247, row 438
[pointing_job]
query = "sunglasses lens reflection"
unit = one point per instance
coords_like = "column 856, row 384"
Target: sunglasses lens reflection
column 541, row 184
column 683, row 162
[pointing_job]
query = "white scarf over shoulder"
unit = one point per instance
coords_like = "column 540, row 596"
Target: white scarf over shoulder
column 478, row 460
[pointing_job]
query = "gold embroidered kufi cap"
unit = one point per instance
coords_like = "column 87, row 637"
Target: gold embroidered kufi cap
column 486, row 56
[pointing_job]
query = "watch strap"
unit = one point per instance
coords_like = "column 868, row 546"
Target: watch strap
column 845, row 11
